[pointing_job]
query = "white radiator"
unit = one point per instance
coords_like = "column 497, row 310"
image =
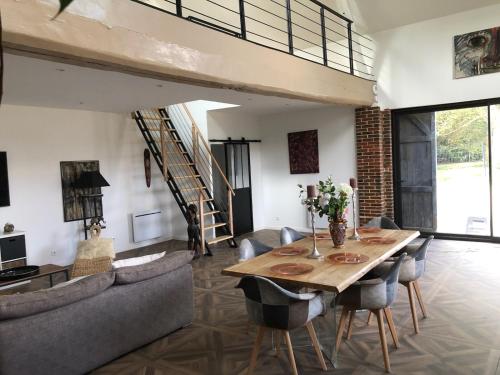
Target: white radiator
column 147, row 225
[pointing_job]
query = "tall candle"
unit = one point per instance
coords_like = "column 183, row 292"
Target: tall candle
column 353, row 182
column 311, row 191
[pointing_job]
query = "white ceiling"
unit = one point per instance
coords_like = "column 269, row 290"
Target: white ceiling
column 35, row 82
column 371, row 16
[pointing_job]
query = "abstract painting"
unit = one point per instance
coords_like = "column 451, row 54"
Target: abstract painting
column 477, row 53
column 303, row 152
column 73, row 204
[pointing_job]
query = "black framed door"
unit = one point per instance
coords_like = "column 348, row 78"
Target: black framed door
column 417, row 171
column 446, row 167
column 234, row 159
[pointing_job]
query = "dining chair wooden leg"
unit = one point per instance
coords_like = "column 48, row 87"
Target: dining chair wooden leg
column 383, row 340
column 349, row 326
column 255, row 352
column 277, row 343
column 369, row 320
column 315, row 342
column 290, row 353
column 340, row 332
column 416, row 285
column 392, row 327
column 409, row 286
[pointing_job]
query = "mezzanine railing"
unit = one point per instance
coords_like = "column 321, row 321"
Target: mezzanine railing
column 303, row 28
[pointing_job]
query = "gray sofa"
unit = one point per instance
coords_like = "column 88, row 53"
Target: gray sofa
column 81, row 326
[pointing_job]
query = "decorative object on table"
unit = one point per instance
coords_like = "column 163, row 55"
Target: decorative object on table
column 18, row 273
column 94, row 255
column 8, row 228
column 147, row 166
column 477, row 53
column 81, row 189
column 91, row 182
column 322, row 236
column 4, row 181
column 348, row 258
column 369, row 230
column 331, row 201
column 378, row 240
column 292, row 268
column 354, row 185
column 289, row 251
column 309, row 202
column 303, row 152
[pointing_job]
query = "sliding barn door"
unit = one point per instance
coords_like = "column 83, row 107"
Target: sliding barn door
column 417, row 171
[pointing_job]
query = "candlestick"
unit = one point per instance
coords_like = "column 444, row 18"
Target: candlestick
column 315, row 253
column 311, row 191
column 355, row 236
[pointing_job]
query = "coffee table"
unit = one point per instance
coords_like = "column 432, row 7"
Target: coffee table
column 46, row 270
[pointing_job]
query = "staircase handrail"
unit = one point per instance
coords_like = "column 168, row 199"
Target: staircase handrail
column 197, row 135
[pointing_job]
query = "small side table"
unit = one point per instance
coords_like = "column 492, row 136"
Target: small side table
column 46, row 270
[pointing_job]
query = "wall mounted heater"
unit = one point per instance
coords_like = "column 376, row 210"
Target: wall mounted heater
column 147, row 225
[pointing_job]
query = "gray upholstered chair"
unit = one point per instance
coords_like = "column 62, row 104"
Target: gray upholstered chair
column 382, row 222
column 272, row 307
column 411, row 270
column 289, row 235
column 387, row 223
column 250, row 248
column 375, row 295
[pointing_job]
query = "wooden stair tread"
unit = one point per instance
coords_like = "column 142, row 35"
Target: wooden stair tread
column 193, row 188
column 182, row 164
column 154, row 118
column 215, row 225
column 211, row 213
column 219, row 239
column 204, row 200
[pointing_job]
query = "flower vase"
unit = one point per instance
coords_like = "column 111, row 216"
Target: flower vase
column 337, row 231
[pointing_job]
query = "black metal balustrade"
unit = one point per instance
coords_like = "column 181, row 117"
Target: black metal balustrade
column 304, row 28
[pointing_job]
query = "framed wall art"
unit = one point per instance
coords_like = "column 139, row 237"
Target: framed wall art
column 303, row 152
column 477, row 53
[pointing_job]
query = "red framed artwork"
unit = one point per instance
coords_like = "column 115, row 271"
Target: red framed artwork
column 303, row 152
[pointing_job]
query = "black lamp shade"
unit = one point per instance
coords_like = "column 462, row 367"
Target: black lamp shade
column 92, row 179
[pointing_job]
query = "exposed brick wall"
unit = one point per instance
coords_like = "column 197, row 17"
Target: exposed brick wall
column 374, row 163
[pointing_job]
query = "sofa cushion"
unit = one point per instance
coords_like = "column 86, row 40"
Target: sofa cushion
column 19, row 305
column 128, row 262
column 172, row 261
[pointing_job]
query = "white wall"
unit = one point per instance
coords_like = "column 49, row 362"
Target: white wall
column 337, row 157
column 37, row 139
column 275, row 193
column 414, row 63
column 223, row 124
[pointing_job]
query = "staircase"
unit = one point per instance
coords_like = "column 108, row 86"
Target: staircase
column 189, row 169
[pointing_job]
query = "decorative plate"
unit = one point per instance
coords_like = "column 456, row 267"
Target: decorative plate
column 369, row 230
column 322, row 236
column 378, row 240
column 347, row 258
column 18, row 272
column 289, row 251
column 292, row 268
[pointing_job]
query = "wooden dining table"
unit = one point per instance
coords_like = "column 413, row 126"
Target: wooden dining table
column 326, row 274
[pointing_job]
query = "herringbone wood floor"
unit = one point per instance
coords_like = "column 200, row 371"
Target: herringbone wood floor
column 461, row 336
